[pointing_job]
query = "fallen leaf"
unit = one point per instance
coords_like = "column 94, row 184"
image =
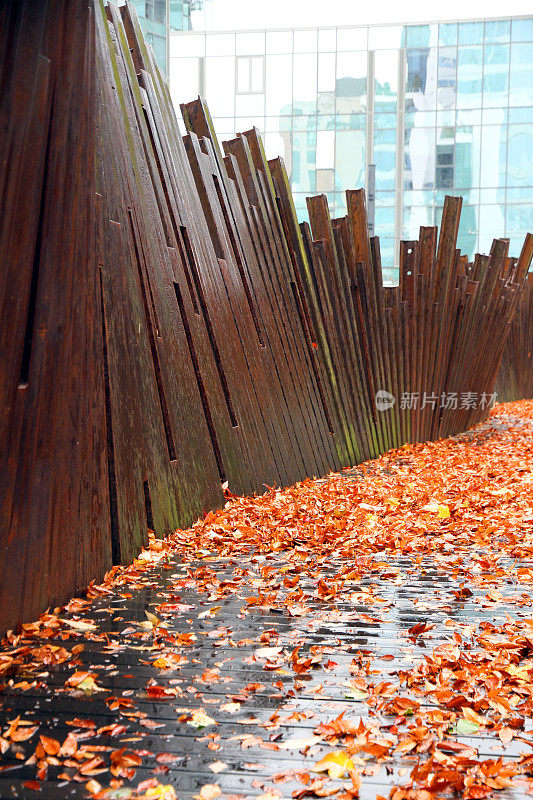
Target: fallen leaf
column 217, row 766
column 336, row 764
column 199, row 719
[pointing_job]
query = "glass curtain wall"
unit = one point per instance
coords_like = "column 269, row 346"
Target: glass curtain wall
column 439, row 109
column 159, row 17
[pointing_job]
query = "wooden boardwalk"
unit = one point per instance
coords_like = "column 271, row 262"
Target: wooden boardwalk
column 251, row 655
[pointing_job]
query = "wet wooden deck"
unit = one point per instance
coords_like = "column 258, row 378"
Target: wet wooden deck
column 259, row 703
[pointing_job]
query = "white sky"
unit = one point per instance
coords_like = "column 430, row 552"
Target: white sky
column 242, row 14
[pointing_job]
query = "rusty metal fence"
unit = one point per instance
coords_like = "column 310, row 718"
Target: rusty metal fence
column 169, row 328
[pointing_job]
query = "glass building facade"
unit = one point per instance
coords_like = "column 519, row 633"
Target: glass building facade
column 159, row 17
column 438, row 109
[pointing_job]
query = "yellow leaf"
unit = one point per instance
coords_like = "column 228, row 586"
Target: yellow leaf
column 336, row 764
column 172, row 661
column 217, row 766
column 80, row 626
column 444, row 512
column 152, row 618
column 89, row 686
column 200, row 719
column 210, row 612
column 506, row 735
column 268, row 652
column 160, row 793
column 299, row 742
column 161, row 663
column 208, row 792
column 473, row 716
column 231, row 708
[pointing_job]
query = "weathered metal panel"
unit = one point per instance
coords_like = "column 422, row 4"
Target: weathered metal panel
column 167, row 325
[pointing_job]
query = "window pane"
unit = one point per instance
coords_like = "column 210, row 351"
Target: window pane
column 414, row 218
column 520, row 155
column 304, row 83
column 278, row 144
column 384, row 198
column 178, row 17
column 448, row 34
column 496, row 116
column 386, row 120
column 183, row 78
column 244, row 123
column 340, row 204
column 419, row 171
column 304, row 122
column 252, row 105
column 223, row 124
column 278, row 88
column 495, row 75
column 325, row 149
column 385, row 221
column 421, row 35
column 521, row 77
column 522, row 30
column 421, row 80
column 446, row 77
column 354, row 122
column 468, row 228
column 519, row 219
column 325, row 180
column 326, row 72
column 258, row 74
column 386, row 69
column 243, row 75
column 250, row 44
column 491, row 225
column 305, row 41
column 467, row 116
column 351, row 83
column 446, row 118
column 497, row 31
column 160, row 10
column 188, row 45
column 279, row 42
column 385, row 158
column 494, row 157
column 349, row 160
column 303, row 163
column 469, row 77
column 386, row 37
column 467, row 157
column 470, row 33
column 327, row 40
column 302, row 212
column 422, row 119
column 160, row 50
column 325, row 122
column 220, row 85
column 387, row 253
column 220, row 44
column 352, row 38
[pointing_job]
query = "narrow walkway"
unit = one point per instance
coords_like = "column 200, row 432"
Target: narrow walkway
column 376, row 624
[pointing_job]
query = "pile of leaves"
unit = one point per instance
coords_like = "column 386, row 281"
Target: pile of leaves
column 455, row 515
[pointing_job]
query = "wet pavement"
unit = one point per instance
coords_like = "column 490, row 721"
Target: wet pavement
column 199, row 669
